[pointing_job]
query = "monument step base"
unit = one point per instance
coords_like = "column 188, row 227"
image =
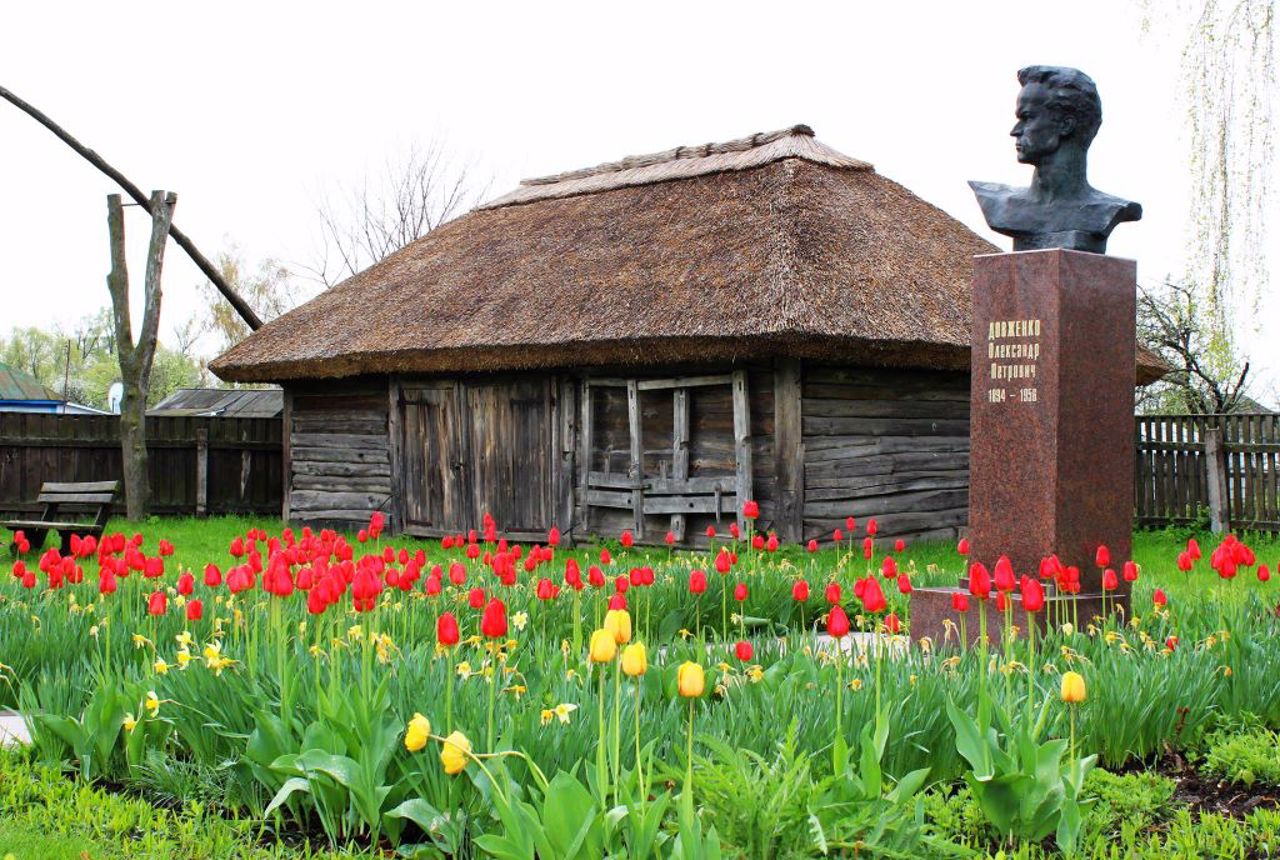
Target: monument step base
column 931, row 610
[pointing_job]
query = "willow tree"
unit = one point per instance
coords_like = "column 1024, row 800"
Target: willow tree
column 136, row 357
column 1229, row 86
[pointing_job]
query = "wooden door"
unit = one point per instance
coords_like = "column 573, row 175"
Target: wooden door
column 433, row 461
column 513, row 453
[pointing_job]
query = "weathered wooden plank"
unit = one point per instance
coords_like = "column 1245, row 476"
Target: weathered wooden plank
column 379, row 485
column 609, row 499
column 687, row 486
column 886, row 465
column 685, row 382
column 344, row 441
column 679, row 451
column 74, row 498
column 742, row 442
column 839, row 447
column 903, row 393
column 395, row 453
column 310, row 500
column 850, row 488
column 303, row 453
column 691, row 504
column 634, row 469
column 567, row 446
column 80, row 487
column 342, row 470
column 896, row 523
column 789, row 456
column 862, row 408
column 361, row 424
column 884, row 426
column 889, row 503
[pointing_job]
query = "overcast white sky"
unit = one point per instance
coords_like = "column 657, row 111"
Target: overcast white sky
column 249, row 110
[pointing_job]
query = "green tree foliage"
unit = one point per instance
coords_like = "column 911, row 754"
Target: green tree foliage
column 80, row 362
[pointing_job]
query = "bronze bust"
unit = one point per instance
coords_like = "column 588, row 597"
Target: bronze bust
column 1058, row 114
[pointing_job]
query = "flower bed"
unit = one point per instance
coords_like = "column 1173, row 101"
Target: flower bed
column 472, row 695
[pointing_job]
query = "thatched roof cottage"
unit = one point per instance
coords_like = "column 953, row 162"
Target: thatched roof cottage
column 643, row 345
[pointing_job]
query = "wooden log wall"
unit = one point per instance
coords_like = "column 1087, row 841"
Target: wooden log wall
column 339, row 449
column 242, row 461
column 889, row 444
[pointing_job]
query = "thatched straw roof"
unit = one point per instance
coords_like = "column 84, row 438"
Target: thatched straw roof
column 773, row 244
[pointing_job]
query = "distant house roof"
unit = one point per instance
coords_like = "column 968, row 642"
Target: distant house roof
column 16, row 385
column 222, row 402
column 773, row 244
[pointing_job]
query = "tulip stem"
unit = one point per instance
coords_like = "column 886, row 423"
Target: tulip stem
column 493, row 694
column 839, row 688
column 617, row 730
column 644, row 788
column 688, row 779
column 602, row 765
column 1031, row 665
column 448, row 693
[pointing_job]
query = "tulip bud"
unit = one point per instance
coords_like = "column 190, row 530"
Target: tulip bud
column 603, row 646
column 195, row 610
column 959, row 601
column 963, row 546
column 417, row 733
column 447, row 633
column 744, row 651
column 690, row 680
column 812, row 545
column 1102, row 558
column 837, row 623
column 740, row 592
column 697, row 581
column 635, row 661
column 1159, row 598
column 1073, row 690
column 618, row 623
column 899, row 545
column 800, row 590
column 454, row 752
column 833, row 594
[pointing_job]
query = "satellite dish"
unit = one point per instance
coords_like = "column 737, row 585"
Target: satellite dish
column 115, row 394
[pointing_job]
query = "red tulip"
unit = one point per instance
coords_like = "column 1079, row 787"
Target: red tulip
column 237, row 547
column 837, row 535
column 195, row 610
column 800, row 590
column 1171, row 643
column 1130, row 572
column 362, row 535
column 605, row 557
column 872, row 528
column 740, row 592
column 158, row 603
column 153, row 567
column 1002, row 603
column 868, row 548
column 1032, row 594
column 493, row 623
column 744, row 651
column 1184, row 561
column 812, row 546
column 545, row 589
column 1263, row 573
column 837, row 623
column 447, row 630
column 446, row 542
column 697, row 581
column 473, row 551
column 750, row 509
column 959, row 601
column 595, row 576
column 734, row 531
column 29, row 579
column 186, row 583
column 904, row 583
column 670, row 538
column 772, row 544
column 1193, row 549
column 476, row 597
column 106, row 581
column 899, row 545
column 850, row 523
column 979, row 581
column 1159, row 598
column 963, row 546
column 166, row 548
column 1109, row 580
column 618, row 601
column 872, row 597
column 711, row 531
column 889, row 567
column 622, row 583
column 1004, row 578
column 723, row 562
column 757, row 542
column 553, row 537
column 892, row 624
column 627, row 540
column 833, row 592
column 1102, row 558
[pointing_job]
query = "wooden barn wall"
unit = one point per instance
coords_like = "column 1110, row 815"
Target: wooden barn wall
column 889, row 444
column 338, row 451
column 711, row 447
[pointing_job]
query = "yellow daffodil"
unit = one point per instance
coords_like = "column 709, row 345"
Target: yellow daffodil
column 184, row 639
column 755, row 674
column 454, row 752
column 140, row 641
column 855, row 684
column 417, row 733
column 464, row 670
column 130, row 722
column 184, row 658
column 547, row 716
column 152, row 702
column 161, row 666
column 520, row 620
column 93, row 631
column 563, row 710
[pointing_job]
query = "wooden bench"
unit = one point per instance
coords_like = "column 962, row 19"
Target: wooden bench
column 79, row 509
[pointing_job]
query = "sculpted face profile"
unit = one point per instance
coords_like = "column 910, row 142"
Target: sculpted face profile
column 1058, row 113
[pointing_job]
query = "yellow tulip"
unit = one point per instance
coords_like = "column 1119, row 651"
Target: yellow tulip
column 618, row 622
column 453, row 755
column 417, row 733
column 1073, row 691
column 603, row 646
column 690, row 681
column 635, row 661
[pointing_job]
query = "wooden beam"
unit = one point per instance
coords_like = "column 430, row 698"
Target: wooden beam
column 202, row 471
column 395, row 453
column 685, row 382
column 788, row 449
column 633, row 427
column 679, row 450
column 1215, row 459
column 567, row 423
column 742, row 443
column 584, row 459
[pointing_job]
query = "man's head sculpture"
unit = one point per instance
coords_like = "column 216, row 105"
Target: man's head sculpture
column 1058, row 114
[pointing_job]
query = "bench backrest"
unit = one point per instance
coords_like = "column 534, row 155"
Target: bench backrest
column 95, row 496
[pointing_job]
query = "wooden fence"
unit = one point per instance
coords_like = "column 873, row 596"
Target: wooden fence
column 1227, row 466
column 197, row 465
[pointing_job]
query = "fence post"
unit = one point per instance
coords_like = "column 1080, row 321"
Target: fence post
column 1219, row 512
column 202, row 471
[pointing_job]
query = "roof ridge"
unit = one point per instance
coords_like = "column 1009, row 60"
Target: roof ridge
column 682, row 162
column 631, row 162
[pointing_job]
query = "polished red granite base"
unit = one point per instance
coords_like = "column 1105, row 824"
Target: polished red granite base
column 1051, row 427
